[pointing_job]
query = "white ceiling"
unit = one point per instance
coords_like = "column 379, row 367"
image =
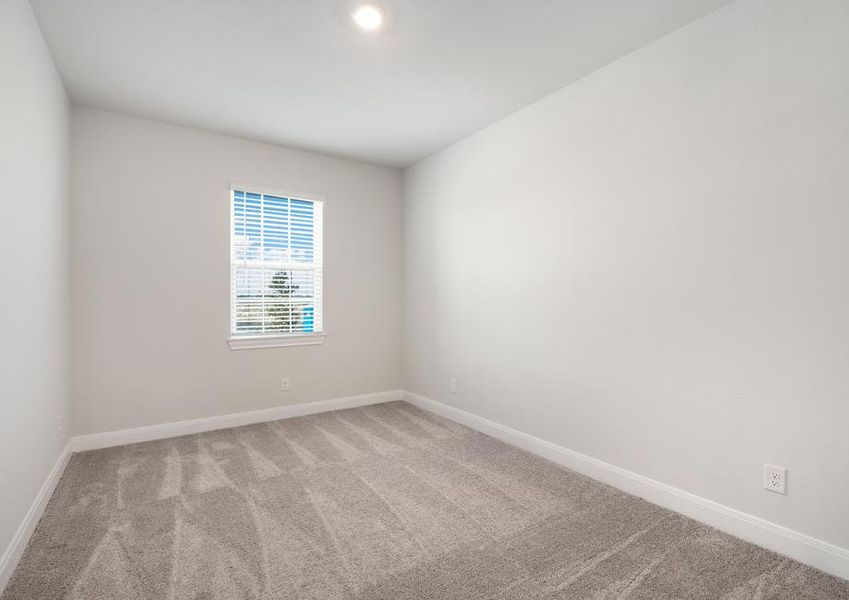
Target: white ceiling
column 295, row 72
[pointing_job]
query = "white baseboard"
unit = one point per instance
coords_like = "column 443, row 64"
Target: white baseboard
column 799, row 546
column 19, row 542
column 122, row 437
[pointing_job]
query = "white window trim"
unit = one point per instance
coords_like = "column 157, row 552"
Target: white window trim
column 275, row 341
column 272, row 341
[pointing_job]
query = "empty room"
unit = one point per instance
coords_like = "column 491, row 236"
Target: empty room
column 424, row 299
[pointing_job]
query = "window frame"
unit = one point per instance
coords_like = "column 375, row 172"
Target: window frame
column 274, row 340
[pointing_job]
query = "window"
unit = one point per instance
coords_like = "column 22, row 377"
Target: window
column 275, row 269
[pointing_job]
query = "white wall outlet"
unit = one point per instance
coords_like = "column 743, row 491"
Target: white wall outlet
column 284, row 384
column 775, row 479
column 452, row 385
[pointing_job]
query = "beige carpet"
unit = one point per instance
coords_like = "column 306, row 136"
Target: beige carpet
column 378, row 502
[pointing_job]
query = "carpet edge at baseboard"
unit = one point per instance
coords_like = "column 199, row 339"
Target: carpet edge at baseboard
column 96, row 441
column 772, row 536
column 14, row 551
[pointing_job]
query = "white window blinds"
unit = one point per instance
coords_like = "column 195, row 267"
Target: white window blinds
column 275, row 264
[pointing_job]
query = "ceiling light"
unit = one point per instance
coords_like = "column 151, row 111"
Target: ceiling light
column 368, row 17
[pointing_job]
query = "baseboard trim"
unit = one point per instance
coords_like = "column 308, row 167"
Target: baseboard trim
column 82, row 443
column 122, row 437
column 19, row 542
column 799, row 546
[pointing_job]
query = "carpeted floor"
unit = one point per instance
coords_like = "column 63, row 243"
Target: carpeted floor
column 379, row 502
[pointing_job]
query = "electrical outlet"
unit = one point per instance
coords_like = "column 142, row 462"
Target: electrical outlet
column 775, row 479
column 284, row 384
column 452, row 385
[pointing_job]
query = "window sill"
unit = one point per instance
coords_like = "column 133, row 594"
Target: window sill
column 275, row 341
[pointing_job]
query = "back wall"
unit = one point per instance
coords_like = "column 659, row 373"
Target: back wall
column 150, row 279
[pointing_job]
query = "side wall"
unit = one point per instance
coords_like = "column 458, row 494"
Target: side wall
column 651, row 266
column 34, row 315
column 151, row 275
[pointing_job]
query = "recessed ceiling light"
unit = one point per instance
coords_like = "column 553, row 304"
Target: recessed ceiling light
column 368, row 17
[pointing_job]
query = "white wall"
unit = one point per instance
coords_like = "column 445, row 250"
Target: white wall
column 150, row 279
column 34, row 403
column 651, row 266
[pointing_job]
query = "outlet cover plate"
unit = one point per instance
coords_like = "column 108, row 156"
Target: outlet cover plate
column 775, row 479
